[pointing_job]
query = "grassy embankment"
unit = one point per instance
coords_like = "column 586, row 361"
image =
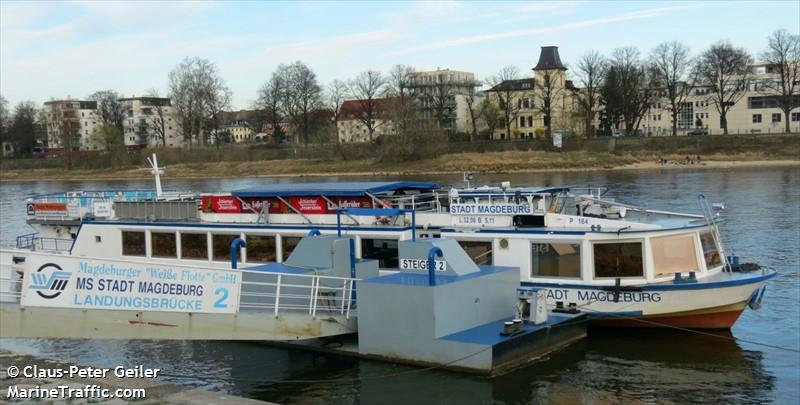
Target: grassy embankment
column 263, row 160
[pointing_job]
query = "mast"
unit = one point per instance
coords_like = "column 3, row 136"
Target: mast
column 157, row 172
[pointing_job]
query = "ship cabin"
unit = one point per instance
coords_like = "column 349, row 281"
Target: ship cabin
column 554, row 235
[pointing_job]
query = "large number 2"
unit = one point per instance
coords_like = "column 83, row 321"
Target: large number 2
column 222, row 293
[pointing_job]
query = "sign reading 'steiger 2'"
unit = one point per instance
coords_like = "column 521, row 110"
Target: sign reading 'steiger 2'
column 97, row 284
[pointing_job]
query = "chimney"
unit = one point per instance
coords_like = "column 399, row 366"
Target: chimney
column 549, row 59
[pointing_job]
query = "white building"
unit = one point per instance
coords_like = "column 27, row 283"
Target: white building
column 150, row 121
column 448, row 90
column 757, row 112
column 72, row 124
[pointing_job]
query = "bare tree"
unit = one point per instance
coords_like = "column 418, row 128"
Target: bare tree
column 671, row 66
column 473, row 108
column 269, row 102
column 20, row 127
column 156, row 119
column 306, row 97
column 725, row 70
column 504, row 89
column 110, row 108
column 439, row 99
column 591, row 71
column 217, row 101
column 5, row 118
column 783, row 57
column 367, row 88
column 627, row 91
column 549, row 92
column 197, row 92
column 491, row 114
column 337, row 92
column 400, row 81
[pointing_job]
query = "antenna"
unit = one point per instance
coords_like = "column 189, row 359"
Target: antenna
column 157, row 172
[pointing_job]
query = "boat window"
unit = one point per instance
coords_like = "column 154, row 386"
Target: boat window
column 194, row 246
column 162, row 244
column 221, row 246
column 289, row 243
column 479, row 251
column 674, row 254
column 260, row 248
column 618, row 259
column 383, row 250
column 556, row 260
column 710, row 250
column 133, row 243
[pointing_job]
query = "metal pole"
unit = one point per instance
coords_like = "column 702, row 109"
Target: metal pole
column 414, row 225
column 432, row 254
column 338, row 223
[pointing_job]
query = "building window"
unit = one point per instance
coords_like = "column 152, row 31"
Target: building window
column 522, row 122
column 530, row 121
column 776, row 117
column 796, row 117
column 383, row 250
column 756, row 118
column 194, row 246
column 163, row 244
column 613, row 260
column 556, row 260
column 479, row 251
column 133, row 243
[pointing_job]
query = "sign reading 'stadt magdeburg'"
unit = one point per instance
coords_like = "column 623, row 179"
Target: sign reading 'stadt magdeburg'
column 85, row 284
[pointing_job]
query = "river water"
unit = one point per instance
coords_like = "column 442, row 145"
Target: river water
column 748, row 365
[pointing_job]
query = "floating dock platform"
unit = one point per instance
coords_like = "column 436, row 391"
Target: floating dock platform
column 438, row 309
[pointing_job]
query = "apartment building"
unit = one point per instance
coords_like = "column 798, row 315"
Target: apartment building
column 72, row 125
column 524, row 99
column 150, row 121
column 446, row 95
column 351, row 128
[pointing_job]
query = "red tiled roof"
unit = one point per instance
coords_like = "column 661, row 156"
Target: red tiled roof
column 354, row 109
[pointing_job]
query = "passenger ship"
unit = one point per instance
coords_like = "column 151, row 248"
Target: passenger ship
column 623, row 265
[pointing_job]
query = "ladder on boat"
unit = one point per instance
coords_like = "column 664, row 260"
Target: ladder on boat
column 708, row 214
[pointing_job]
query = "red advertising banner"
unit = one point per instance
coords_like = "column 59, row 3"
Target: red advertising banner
column 50, row 208
column 304, row 205
column 222, row 204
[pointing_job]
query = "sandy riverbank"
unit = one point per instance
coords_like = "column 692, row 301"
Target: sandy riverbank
column 498, row 162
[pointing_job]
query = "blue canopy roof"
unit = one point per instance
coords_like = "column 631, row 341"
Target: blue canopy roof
column 331, row 189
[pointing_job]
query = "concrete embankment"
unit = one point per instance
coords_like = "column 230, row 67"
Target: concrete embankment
column 157, row 391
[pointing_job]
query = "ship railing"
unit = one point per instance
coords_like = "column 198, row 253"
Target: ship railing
column 418, row 202
column 43, row 244
column 312, row 294
column 81, row 204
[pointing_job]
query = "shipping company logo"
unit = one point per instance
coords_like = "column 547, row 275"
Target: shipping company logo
column 49, row 281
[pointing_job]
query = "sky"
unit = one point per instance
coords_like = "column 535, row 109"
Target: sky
column 54, row 50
